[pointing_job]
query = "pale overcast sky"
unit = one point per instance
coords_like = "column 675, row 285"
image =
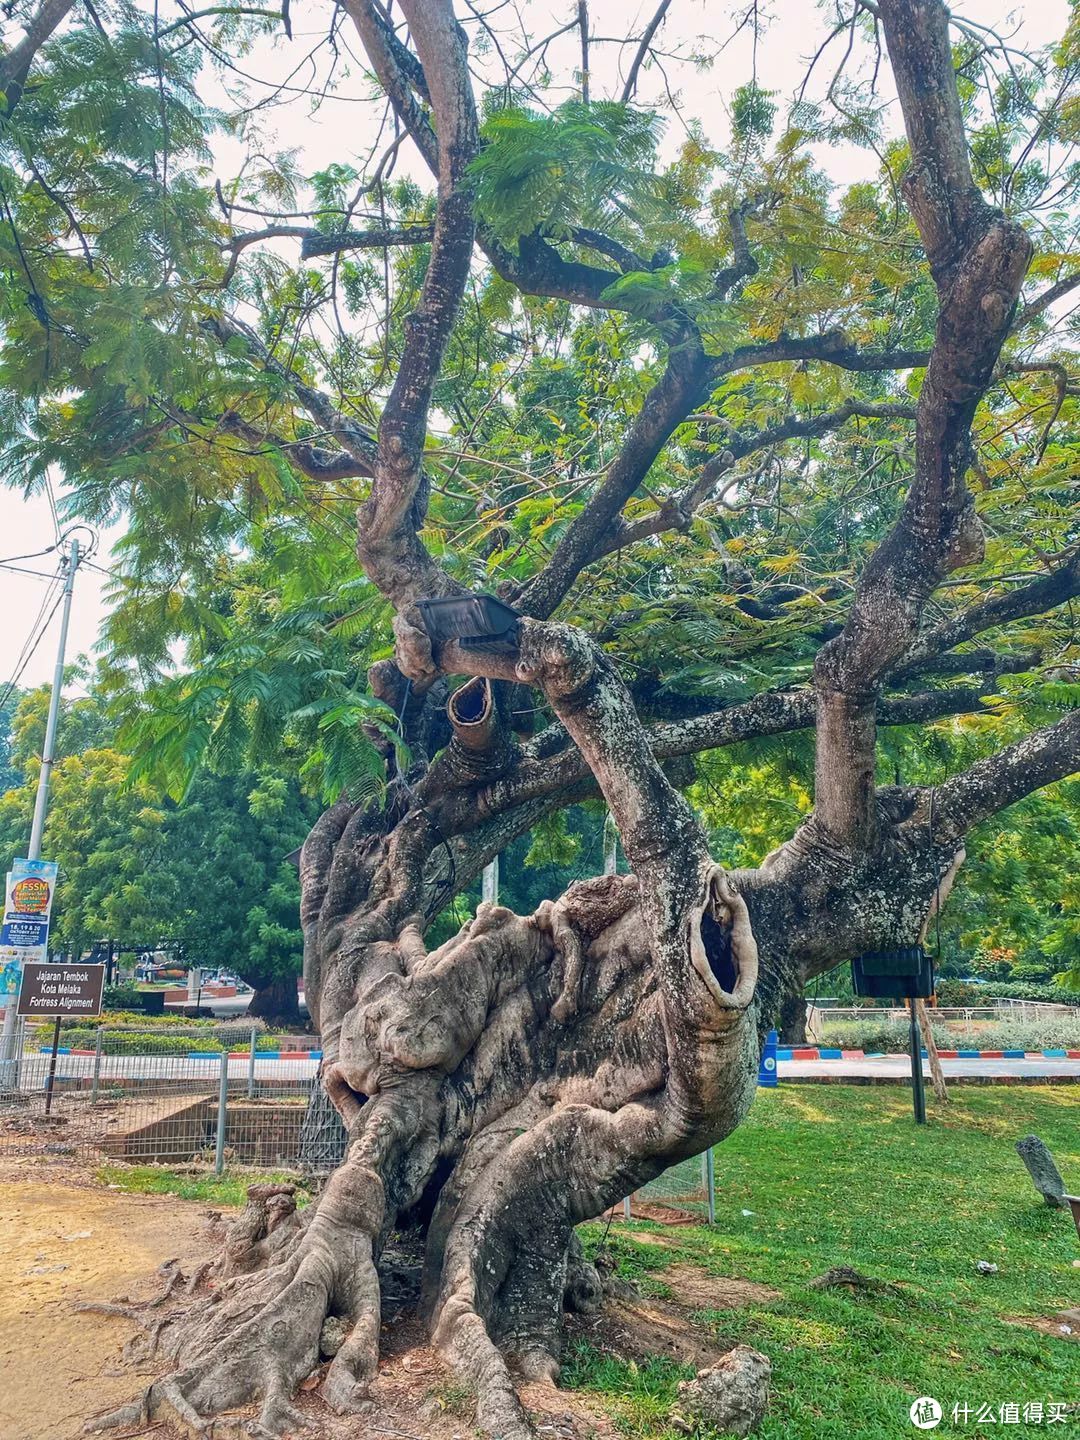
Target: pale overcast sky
column 343, row 128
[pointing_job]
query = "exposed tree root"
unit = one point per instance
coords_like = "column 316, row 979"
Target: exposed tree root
column 844, row 1277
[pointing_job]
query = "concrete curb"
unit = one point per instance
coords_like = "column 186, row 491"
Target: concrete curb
column 825, row 1052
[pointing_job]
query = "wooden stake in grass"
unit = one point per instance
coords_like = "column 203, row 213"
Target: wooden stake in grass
column 937, row 1075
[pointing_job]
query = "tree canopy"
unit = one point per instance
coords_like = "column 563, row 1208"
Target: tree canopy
column 680, row 402
column 755, row 449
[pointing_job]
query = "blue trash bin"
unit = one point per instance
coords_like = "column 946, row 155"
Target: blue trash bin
column 767, row 1069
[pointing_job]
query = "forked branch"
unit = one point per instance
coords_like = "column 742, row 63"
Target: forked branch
column 978, row 260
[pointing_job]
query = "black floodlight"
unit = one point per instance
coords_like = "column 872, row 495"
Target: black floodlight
column 478, row 622
column 894, row 974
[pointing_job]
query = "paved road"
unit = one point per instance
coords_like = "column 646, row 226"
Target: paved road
column 898, row 1068
column 148, row 1068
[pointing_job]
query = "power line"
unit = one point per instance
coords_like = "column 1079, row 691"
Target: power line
column 32, row 641
column 37, row 633
column 52, row 507
column 90, row 549
column 22, row 570
column 32, row 555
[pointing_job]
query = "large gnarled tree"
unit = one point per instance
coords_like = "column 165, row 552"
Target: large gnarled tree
column 525, row 1075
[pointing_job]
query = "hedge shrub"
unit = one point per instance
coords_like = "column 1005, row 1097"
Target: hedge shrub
column 891, row 1037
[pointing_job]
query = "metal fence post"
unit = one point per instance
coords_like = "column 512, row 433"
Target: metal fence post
column 96, row 1081
column 222, row 1112
column 251, row 1065
column 710, row 1184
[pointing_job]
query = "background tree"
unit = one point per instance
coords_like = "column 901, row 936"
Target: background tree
column 9, row 775
column 233, row 892
column 138, row 866
column 781, row 458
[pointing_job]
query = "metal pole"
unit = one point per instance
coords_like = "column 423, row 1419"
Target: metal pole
column 710, row 1183
column 48, row 753
column 489, row 893
column 52, row 1067
column 611, row 845
column 222, row 1113
column 10, row 1043
column 97, row 1065
column 918, row 1093
column 251, row 1065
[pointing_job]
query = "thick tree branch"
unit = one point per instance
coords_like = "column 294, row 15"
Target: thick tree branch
column 358, row 442
column 978, row 260
column 641, row 53
column 314, row 461
column 1053, row 293
column 552, row 764
column 15, row 65
column 389, row 548
column 399, row 73
column 689, row 375
column 323, row 242
column 326, row 242
column 624, row 257
column 674, row 396
column 1059, row 585
column 990, row 785
column 677, row 511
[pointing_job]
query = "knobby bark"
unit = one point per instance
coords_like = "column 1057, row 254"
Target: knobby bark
column 525, row 1075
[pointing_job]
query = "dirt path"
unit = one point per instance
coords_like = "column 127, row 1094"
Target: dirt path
column 62, row 1243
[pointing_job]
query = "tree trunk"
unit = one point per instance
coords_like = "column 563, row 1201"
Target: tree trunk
column 792, row 1020
column 276, row 1001
column 519, row 1079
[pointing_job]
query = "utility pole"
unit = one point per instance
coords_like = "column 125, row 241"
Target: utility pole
column 611, row 845
column 10, row 1043
column 489, row 883
column 48, row 753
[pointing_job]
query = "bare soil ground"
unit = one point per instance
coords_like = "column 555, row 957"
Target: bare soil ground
column 63, row 1243
column 66, row 1240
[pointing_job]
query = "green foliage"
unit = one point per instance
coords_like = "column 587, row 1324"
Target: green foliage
column 752, row 113
column 241, row 629
column 181, row 1039
column 881, row 1036
column 136, row 865
column 10, row 774
column 105, row 835
column 585, row 165
column 124, row 996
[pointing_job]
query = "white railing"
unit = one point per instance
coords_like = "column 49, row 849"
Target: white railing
column 998, row 1010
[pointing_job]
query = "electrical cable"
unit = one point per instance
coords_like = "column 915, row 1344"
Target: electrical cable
column 33, row 555
column 37, row 633
column 33, row 639
column 23, row 570
column 52, row 506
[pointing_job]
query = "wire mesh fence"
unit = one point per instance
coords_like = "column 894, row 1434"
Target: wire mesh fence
column 217, row 1097
column 687, row 1187
column 211, row 1095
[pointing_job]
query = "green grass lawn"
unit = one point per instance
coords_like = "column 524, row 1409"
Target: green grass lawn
column 840, row 1175
column 229, row 1188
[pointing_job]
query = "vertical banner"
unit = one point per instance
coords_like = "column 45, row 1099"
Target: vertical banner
column 24, row 934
